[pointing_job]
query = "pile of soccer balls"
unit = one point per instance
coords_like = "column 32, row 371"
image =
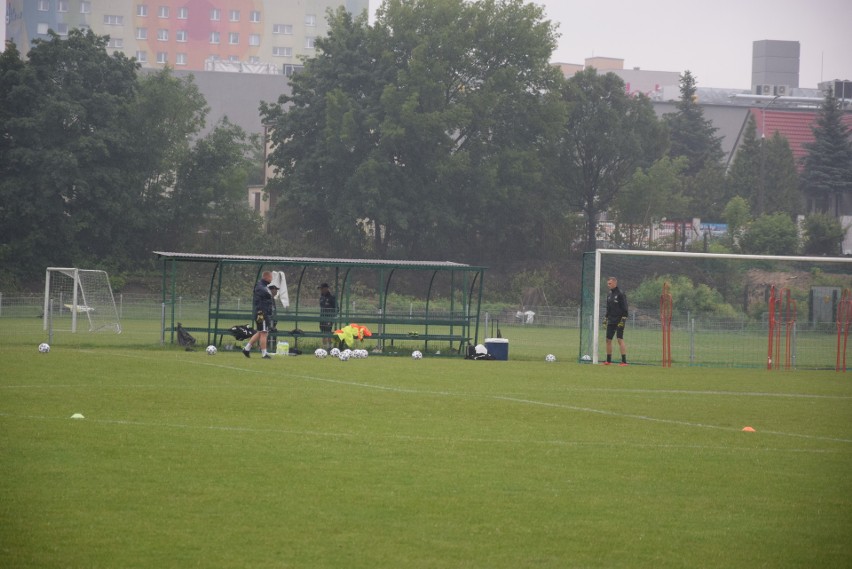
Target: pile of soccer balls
column 343, row 356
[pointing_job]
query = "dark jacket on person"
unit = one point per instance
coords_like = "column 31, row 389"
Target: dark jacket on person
column 616, row 306
column 262, row 299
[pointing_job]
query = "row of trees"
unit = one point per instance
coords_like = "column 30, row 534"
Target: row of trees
column 100, row 165
column 441, row 131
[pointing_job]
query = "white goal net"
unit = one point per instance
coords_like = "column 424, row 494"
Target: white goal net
column 73, row 295
column 720, row 310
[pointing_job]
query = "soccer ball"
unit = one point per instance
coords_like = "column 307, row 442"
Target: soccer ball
column 550, row 358
column 364, row 353
column 348, row 353
column 344, row 355
column 334, row 352
column 44, row 348
column 417, row 355
column 320, row 353
column 586, row 358
column 211, row 350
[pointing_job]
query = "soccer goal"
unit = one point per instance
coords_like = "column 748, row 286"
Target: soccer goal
column 71, row 293
column 719, row 310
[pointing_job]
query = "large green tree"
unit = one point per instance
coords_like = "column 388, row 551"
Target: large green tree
column 607, row 135
column 826, row 178
column 694, row 137
column 420, row 135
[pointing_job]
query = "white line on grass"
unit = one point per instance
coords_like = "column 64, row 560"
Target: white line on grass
column 411, row 438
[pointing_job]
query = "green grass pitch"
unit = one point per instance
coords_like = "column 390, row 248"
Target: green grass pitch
column 187, row 460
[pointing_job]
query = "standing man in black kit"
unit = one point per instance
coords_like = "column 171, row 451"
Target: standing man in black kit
column 615, row 319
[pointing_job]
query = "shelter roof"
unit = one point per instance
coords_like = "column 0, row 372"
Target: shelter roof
column 794, row 125
column 321, row 261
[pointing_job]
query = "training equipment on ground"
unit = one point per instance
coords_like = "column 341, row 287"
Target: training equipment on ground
column 211, row 350
column 334, row 352
column 343, row 356
column 718, row 309
column 44, row 348
column 417, row 355
column 586, row 358
column 70, row 292
column 320, row 353
column 550, row 358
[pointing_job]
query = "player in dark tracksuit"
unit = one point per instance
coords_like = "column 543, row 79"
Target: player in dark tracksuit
column 263, row 306
column 615, row 319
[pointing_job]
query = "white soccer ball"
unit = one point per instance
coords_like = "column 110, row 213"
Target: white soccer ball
column 343, row 356
column 550, row 358
column 211, row 350
column 586, row 358
column 320, row 353
column 44, row 348
column 364, row 353
column 348, row 353
column 417, row 355
column 334, row 352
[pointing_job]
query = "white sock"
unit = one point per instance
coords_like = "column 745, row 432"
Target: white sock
column 247, row 347
column 263, row 352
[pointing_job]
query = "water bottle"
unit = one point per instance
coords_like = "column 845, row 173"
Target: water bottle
column 282, row 348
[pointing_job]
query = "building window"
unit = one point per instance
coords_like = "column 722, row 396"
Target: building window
column 183, row 13
column 62, row 5
column 234, row 58
column 41, row 29
column 163, row 12
column 254, row 59
column 162, row 35
column 162, row 57
column 43, row 6
column 310, row 20
column 85, row 7
column 142, row 10
column 282, row 51
column 214, row 37
column 255, row 16
column 254, row 39
column 62, row 28
column 233, row 38
column 115, row 43
column 234, row 15
column 215, row 14
column 141, row 33
column 142, row 56
column 111, row 20
column 286, row 29
column 309, row 42
column 180, row 59
column 180, row 36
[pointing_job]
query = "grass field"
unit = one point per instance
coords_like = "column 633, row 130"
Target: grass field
column 187, row 460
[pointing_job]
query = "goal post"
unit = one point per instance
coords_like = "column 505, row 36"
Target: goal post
column 720, row 309
column 72, row 293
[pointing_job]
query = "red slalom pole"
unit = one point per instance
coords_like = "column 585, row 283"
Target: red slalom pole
column 666, row 324
column 771, row 326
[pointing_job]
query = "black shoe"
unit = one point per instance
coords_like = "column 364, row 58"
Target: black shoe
column 246, row 353
column 267, row 357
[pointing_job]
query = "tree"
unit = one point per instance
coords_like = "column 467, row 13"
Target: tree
column 744, row 175
column 736, row 216
column 694, row 137
column 823, row 235
column 826, row 178
column 781, row 179
column 691, row 134
column 63, row 168
column 773, row 234
column 651, row 196
column 607, row 136
column 420, row 133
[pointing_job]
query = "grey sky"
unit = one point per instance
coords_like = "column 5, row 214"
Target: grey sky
column 711, row 39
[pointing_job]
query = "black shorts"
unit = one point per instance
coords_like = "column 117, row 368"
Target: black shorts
column 613, row 329
column 263, row 323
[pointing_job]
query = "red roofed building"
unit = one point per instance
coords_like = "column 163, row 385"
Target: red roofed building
column 795, row 125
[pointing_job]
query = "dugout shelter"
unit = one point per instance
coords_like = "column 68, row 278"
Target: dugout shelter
column 429, row 305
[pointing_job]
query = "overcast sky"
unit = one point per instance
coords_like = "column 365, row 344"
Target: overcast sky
column 712, row 39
